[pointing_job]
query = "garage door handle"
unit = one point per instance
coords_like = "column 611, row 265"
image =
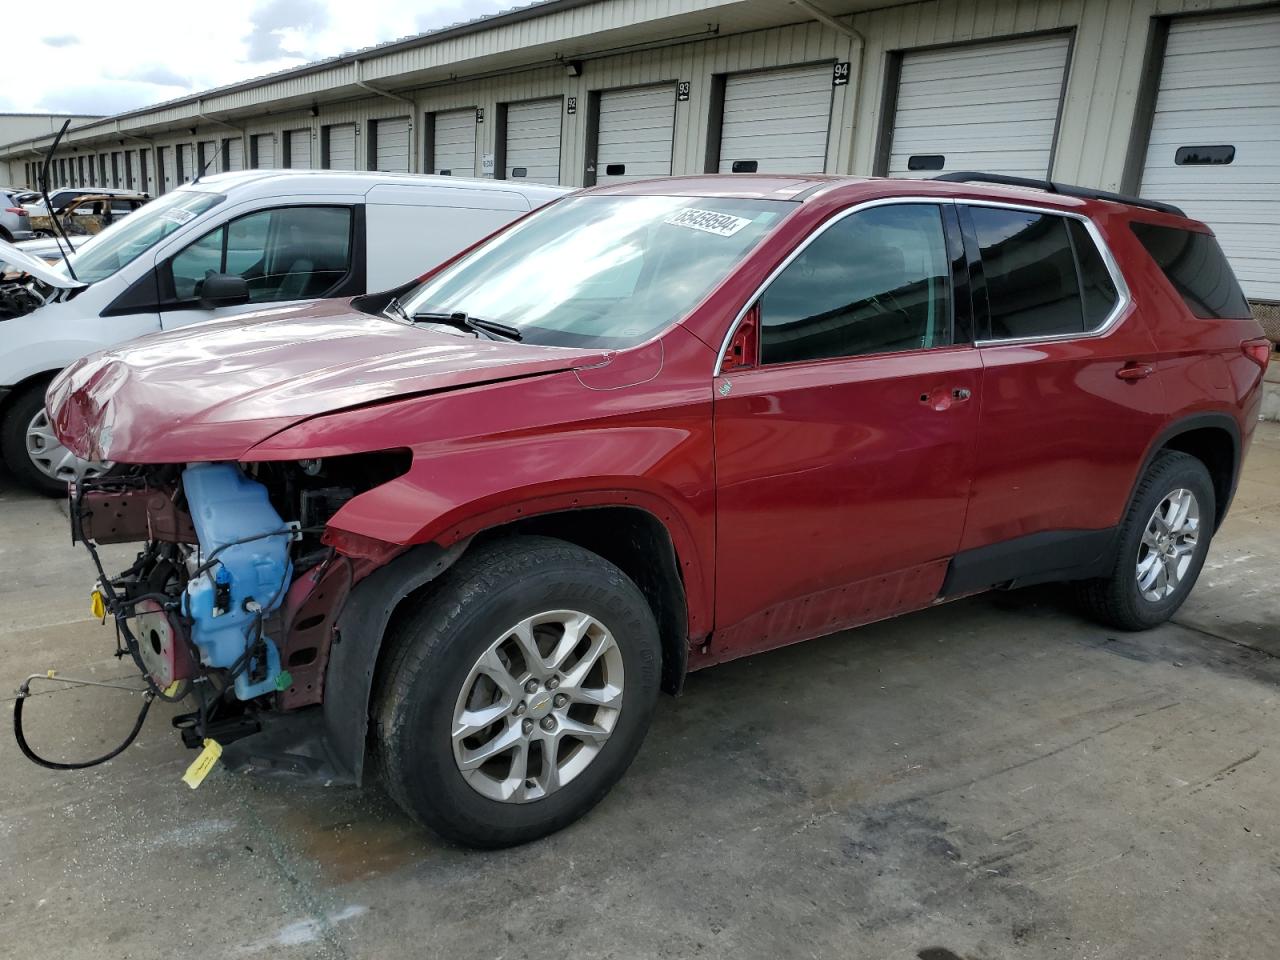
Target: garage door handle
column 1133, row 372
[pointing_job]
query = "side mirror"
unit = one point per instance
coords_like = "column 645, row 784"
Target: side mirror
column 223, row 290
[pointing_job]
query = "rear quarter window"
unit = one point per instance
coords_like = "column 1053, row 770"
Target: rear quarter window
column 1196, row 267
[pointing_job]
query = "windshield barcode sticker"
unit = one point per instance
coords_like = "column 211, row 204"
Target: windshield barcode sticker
column 708, row 221
column 178, row 215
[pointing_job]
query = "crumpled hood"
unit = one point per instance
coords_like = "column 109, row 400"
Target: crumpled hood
column 213, row 390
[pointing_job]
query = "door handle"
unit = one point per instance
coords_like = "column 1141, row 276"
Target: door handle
column 1133, row 372
column 941, row 399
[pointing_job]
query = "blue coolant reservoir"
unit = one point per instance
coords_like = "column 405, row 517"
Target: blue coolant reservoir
column 245, row 580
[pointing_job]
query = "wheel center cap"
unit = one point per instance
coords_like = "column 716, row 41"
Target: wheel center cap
column 539, row 705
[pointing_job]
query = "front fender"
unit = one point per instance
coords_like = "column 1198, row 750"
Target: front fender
column 501, row 452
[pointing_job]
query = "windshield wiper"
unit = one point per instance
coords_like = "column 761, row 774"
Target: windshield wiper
column 490, row 328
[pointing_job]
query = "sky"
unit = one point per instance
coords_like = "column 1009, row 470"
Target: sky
column 81, row 62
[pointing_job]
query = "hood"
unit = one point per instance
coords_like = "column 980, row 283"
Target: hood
column 27, row 260
column 211, row 391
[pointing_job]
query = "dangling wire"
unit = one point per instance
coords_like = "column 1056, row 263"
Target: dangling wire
column 24, row 691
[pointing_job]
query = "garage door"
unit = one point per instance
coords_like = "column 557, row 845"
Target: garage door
column 168, row 169
column 393, row 145
column 300, row 149
column 264, row 151
column 342, row 146
column 186, row 163
column 989, row 106
column 776, row 121
column 1215, row 140
column 635, row 133
column 454, row 147
column 235, row 154
column 533, row 141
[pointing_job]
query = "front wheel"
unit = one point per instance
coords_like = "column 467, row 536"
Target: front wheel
column 518, row 693
column 1162, row 545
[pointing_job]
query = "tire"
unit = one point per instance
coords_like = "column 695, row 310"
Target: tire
column 432, row 660
column 5, row 235
column 1118, row 600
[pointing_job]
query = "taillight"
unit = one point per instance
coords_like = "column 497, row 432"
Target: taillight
column 1259, row 351
column 18, row 210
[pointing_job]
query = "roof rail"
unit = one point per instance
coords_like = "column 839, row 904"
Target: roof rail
column 1052, row 186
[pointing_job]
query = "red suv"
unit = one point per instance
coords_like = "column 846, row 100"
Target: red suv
column 479, row 522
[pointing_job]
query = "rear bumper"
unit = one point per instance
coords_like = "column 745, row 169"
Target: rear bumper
column 24, row 235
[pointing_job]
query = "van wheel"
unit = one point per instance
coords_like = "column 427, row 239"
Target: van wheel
column 33, row 454
column 516, row 695
column 1162, row 545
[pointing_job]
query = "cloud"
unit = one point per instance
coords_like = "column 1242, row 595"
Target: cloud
column 274, row 19
column 102, row 98
column 61, row 40
column 156, row 74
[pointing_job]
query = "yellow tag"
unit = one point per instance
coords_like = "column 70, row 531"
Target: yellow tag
column 97, row 606
column 172, row 688
column 202, row 764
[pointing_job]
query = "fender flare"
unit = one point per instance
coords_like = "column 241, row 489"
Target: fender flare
column 353, row 658
column 1185, row 424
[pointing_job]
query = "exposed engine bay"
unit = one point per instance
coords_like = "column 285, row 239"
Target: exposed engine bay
column 28, row 283
column 21, row 293
column 233, row 598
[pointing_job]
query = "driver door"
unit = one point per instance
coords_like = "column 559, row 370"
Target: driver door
column 285, row 255
column 844, row 443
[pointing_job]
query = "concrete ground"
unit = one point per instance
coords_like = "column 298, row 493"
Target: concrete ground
column 994, row 778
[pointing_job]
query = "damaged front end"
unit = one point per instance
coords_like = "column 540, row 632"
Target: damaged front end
column 234, row 599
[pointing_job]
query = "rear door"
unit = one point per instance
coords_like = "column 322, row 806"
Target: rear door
column 844, row 454
column 1067, row 408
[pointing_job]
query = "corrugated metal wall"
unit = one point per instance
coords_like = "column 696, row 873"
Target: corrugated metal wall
column 1104, row 77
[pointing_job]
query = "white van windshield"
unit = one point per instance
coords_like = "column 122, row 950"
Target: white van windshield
column 126, row 240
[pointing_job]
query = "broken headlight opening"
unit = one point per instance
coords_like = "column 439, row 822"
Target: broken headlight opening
column 232, row 590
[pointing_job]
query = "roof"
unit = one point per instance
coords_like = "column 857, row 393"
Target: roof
column 361, row 180
column 741, row 186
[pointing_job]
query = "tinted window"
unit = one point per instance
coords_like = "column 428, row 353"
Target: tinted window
column 1096, row 285
column 1032, row 289
column 291, row 253
column 1195, row 266
column 875, row 282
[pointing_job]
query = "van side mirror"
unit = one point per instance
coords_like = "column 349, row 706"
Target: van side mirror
column 223, row 290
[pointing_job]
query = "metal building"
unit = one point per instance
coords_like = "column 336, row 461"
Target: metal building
column 1178, row 99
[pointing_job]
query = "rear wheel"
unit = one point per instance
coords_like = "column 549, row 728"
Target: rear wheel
column 32, row 451
column 1162, row 545
column 518, row 693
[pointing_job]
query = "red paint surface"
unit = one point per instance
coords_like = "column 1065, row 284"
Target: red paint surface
column 808, row 498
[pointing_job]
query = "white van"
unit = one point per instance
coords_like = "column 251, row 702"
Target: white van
column 225, row 245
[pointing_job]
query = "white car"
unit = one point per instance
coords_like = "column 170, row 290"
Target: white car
column 230, row 244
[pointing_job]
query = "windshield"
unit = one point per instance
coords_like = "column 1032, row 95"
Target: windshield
column 602, row 271
column 125, row 240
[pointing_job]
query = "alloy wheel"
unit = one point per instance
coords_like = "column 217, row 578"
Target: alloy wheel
column 1168, row 545
column 538, row 706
